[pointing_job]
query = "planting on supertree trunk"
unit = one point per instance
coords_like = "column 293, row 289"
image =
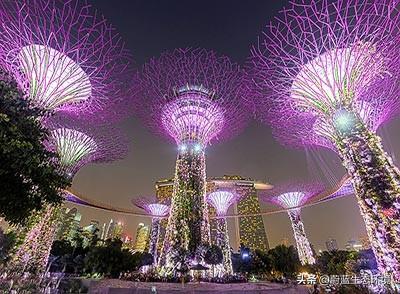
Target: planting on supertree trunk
column 221, row 201
column 292, row 197
column 326, row 73
column 157, row 211
column 76, row 144
column 193, row 97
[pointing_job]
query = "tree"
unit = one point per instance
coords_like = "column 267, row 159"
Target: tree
column 213, row 256
column 337, row 262
column 284, row 260
column 110, row 259
column 7, row 243
column 261, row 262
column 28, row 175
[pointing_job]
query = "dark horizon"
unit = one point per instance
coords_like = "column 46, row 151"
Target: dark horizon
column 229, row 28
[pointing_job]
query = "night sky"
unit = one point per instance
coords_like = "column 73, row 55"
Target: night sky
column 230, row 28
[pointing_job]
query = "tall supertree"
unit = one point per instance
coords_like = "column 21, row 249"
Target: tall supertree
column 157, row 211
column 327, row 73
column 193, row 97
column 65, row 56
column 292, row 197
column 76, row 144
column 221, row 201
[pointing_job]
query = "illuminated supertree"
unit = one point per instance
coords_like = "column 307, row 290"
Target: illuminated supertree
column 65, row 56
column 157, row 211
column 193, row 97
column 76, row 144
column 326, row 73
column 221, row 201
column 292, row 197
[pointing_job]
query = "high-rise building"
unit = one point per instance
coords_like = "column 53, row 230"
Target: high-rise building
column 70, row 224
column 142, row 238
column 331, row 245
column 250, row 230
column 114, row 230
column 285, row 241
column 353, row 245
column 164, row 190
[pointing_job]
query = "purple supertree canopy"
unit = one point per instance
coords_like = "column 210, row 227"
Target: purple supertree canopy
column 77, row 142
column 151, row 206
column 192, row 95
column 292, row 195
column 65, row 56
column 222, row 200
column 319, row 57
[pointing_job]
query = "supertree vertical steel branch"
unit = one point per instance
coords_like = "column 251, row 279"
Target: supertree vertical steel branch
column 292, row 197
column 193, row 97
column 326, row 73
column 65, row 56
column 221, row 201
column 76, row 144
column 157, row 211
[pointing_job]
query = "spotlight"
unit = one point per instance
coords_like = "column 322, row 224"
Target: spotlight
column 183, row 147
column 343, row 120
column 197, row 147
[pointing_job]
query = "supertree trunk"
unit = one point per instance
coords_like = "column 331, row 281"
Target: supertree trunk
column 155, row 232
column 376, row 184
column 222, row 241
column 188, row 225
column 303, row 245
column 32, row 256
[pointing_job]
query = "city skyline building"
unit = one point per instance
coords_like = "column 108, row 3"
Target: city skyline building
column 142, row 238
column 71, row 223
column 331, row 245
column 158, row 211
column 249, row 230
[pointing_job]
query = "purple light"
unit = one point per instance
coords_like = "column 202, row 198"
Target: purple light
column 193, row 117
column 150, row 205
column 320, row 57
column 192, row 96
column 157, row 210
column 326, row 73
column 221, row 201
column 77, row 143
column 65, row 56
column 346, row 189
column 292, row 197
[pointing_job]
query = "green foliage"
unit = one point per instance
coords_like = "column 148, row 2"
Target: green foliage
column 7, row 242
column 110, row 259
column 72, row 286
column 284, row 260
column 144, row 258
column 338, row 262
column 261, row 263
column 213, row 255
column 28, row 175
